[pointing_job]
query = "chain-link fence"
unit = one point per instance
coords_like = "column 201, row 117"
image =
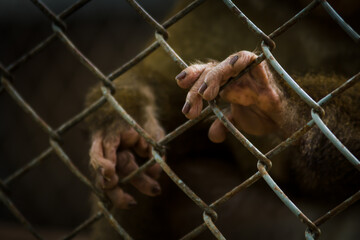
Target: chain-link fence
column 264, row 163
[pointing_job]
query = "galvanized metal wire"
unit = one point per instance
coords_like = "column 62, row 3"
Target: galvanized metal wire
column 264, row 163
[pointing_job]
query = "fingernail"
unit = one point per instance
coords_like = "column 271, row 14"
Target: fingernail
column 202, row 88
column 132, row 204
column 233, row 60
column 186, row 107
column 156, row 190
column 181, row 75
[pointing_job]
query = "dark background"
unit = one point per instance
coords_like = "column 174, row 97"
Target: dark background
column 54, row 83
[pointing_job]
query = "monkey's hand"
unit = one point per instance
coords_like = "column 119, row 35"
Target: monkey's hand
column 256, row 101
column 115, row 145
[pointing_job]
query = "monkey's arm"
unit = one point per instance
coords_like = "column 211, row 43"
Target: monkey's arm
column 114, row 145
column 257, row 103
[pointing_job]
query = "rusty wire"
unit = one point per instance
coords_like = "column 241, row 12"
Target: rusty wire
column 264, row 160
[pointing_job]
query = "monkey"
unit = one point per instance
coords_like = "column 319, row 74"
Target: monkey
column 260, row 104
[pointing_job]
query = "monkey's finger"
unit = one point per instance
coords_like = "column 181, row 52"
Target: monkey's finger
column 111, row 143
column 142, row 182
column 188, row 76
column 194, row 103
column 101, row 165
column 142, row 148
column 120, row 199
column 129, row 138
column 217, row 131
column 96, row 150
column 228, row 68
column 103, row 183
column 154, row 171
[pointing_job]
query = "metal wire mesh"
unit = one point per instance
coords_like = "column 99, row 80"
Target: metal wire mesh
column 264, row 163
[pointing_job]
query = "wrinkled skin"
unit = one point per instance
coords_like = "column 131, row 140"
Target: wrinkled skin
column 255, row 100
column 112, row 159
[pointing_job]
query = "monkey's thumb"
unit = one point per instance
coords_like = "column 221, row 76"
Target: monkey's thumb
column 217, row 132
